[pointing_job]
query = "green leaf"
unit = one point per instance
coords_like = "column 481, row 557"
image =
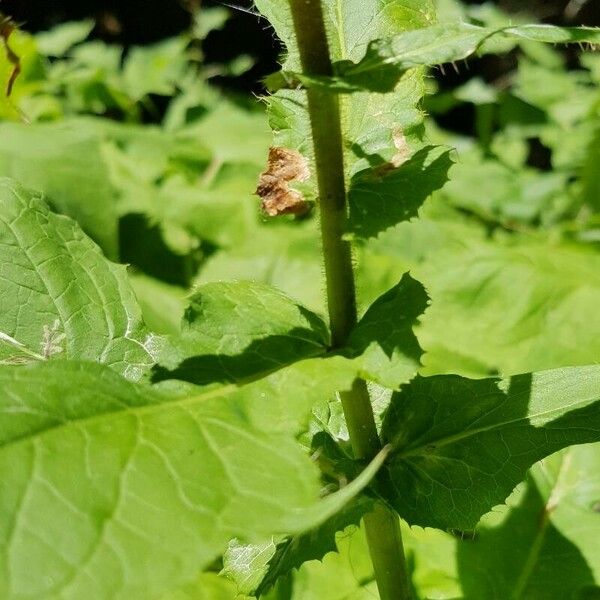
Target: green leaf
column 244, row 138
column 462, row 445
column 223, row 212
column 145, row 488
column 162, row 304
column 544, row 543
column 60, row 296
column 293, row 552
column 431, row 556
column 286, row 257
column 497, row 193
column 256, row 568
column 62, row 38
column 379, row 201
column 386, row 60
column 387, row 350
column 590, row 192
column 155, row 69
column 209, row 19
column 23, row 46
column 380, row 131
column 208, row 586
column 535, row 299
column 347, row 573
column 233, row 331
column 64, row 162
column 95, row 171
column 477, row 91
column 245, row 565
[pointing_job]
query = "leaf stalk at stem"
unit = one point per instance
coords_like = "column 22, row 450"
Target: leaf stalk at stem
column 382, row 524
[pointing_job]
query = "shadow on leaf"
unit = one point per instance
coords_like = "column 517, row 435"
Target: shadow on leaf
column 524, row 557
column 381, row 198
column 259, row 358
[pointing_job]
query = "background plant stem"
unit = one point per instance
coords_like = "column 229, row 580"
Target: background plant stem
column 382, row 524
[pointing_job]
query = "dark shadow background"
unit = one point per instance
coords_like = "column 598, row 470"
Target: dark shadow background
column 144, row 21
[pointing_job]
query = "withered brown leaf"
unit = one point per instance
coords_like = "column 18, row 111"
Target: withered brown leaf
column 284, row 166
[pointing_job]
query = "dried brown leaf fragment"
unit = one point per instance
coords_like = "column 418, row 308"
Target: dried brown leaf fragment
column 284, row 166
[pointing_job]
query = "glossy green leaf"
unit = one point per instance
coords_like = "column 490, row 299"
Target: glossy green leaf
column 544, row 543
column 60, row 296
column 103, row 476
column 233, row 331
column 462, row 445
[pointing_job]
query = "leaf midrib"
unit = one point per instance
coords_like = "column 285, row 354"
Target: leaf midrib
column 138, row 411
column 445, row 441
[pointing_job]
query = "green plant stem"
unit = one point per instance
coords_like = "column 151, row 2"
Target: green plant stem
column 382, row 524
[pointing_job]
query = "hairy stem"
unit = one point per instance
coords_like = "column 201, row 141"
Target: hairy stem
column 382, row 525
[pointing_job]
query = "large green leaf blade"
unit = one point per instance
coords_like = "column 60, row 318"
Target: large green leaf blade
column 462, row 445
column 115, row 490
column 60, row 296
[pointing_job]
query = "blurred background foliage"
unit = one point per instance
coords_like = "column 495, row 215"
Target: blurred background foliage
column 140, row 120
